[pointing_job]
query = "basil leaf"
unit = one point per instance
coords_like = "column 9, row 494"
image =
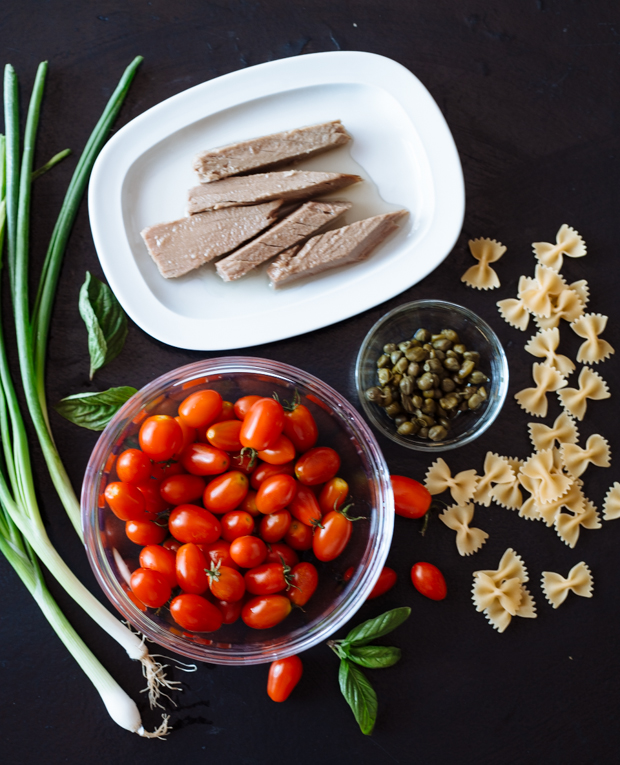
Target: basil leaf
column 375, row 628
column 94, row 410
column 374, row 656
column 105, row 321
column 359, row 694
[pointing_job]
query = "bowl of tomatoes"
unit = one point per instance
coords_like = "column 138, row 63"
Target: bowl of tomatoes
column 225, row 501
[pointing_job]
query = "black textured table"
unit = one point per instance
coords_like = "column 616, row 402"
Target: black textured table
column 530, row 92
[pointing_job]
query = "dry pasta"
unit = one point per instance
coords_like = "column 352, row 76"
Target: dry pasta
column 462, row 486
column 534, row 400
column 590, row 326
column 496, row 470
column 458, row 517
column 544, row 344
column 556, row 587
column 482, row 276
column 500, row 594
column 611, row 507
column 591, row 386
column 564, row 431
column 567, row 242
column 576, row 459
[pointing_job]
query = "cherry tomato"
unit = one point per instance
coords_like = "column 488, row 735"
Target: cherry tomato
column 265, row 579
column 230, row 611
column 189, row 434
column 332, row 536
column 411, row 499
column 304, row 579
column 226, row 492
column 245, row 461
column 133, row 466
column 154, row 502
column 300, row 427
column 248, row 551
column 428, row 580
column 171, row 544
column 305, row 506
column 160, row 437
column 317, row 465
column 151, row 587
column 265, row 611
column 200, row 459
column 193, row 612
column 201, row 408
column 191, row 523
column 160, row 559
column 275, row 493
column 387, row 579
column 181, row 489
column 298, row 536
column 191, row 568
column 126, row 501
column 249, row 504
column 265, row 470
column 161, row 470
column 279, row 453
column 284, row 674
column 226, row 583
column 227, row 413
column 225, row 435
column 236, row 523
column 348, row 574
column 262, row 424
column 274, row 526
column 244, row 404
column 281, row 553
column 333, row 495
column 145, row 532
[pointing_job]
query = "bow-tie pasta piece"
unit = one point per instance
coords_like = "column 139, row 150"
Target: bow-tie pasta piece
column 567, row 242
column 556, row 587
column 591, row 386
column 511, row 565
column 548, row 481
column 538, row 296
column 611, row 507
column 509, row 495
column 576, row 459
column 507, row 593
column 527, row 608
column 501, row 595
column 462, row 486
column 567, row 305
column 514, row 312
column 590, row 326
column 582, row 290
column 458, row 518
column 496, row 470
column 482, row 276
column 564, row 431
column 544, row 344
column 568, row 526
column 574, row 500
column 534, row 400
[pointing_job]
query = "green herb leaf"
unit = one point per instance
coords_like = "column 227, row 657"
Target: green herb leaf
column 374, row 656
column 376, row 628
column 94, row 410
column 105, row 321
column 359, row 694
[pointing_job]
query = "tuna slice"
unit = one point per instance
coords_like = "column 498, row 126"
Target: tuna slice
column 269, row 151
column 185, row 244
column 309, row 219
column 349, row 244
column 250, row 189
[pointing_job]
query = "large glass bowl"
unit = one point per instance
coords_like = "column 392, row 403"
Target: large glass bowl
column 435, row 315
column 112, row 556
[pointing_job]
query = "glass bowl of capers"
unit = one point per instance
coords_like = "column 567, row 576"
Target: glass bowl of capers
column 431, row 375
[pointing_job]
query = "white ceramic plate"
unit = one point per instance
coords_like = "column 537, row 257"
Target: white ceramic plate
column 401, row 145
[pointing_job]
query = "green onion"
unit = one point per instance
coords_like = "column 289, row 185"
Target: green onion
column 50, row 163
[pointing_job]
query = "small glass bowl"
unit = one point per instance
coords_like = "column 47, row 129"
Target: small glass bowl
column 112, row 556
column 435, row 315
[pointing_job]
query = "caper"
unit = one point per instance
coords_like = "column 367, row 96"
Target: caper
column 437, row 354
column 420, row 422
column 413, row 370
column 417, row 401
column 474, row 401
column 425, row 382
column 448, row 385
column 406, row 403
column 442, row 344
column 467, row 392
column 430, row 393
column 406, row 429
column 389, row 348
column 450, row 334
column 428, row 347
column 406, row 385
column 452, row 364
column 429, row 406
column 395, row 356
column 472, row 356
column 430, row 421
column 445, row 422
column 395, row 381
column 384, row 376
column 387, row 396
column 482, row 392
column 467, row 368
column 416, row 354
column 393, row 409
column 478, row 377
column 422, row 335
column 404, row 345
column 399, row 419
column 373, row 394
column 435, row 379
column 401, row 365
column 423, row 433
column 459, row 348
column 435, row 365
column 383, row 361
column 437, row 433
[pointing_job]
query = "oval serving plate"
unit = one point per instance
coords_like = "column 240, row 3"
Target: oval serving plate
column 401, row 145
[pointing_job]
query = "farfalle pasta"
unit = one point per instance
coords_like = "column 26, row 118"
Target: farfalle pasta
column 548, row 483
column 458, row 517
column 576, row 459
column 482, row 276
column 508, row 494
column 513, row 310
column 556, row 587
column 567, row 305
column 611, row 506
column 591, row 386
column 568, row 526
column 544, row 345
column 567, row 242
column 534, row 400
column 510, row 565
column 590, row 326
column 538, row 295
column 500, row 594
column 563, row 430
column 462, row 486
column 496, row 470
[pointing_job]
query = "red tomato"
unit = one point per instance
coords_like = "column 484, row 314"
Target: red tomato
column 236, row 524
column 387, row 579
column 284, row 674
column 265, row 611
column 245, row 461
column 330, row 540
column 154, row 502
column 225, row 435
column 230, row 611
column 281, row 553
column 201, row 408
column 274, row 526
column 411, row 499
column 191, row 569
column 244, row 404
column 189, row 434
column 151, row 587
column 227, row 413
column 300, row 427
column 161, row 470
column 217, row 552
column 264, row 471
column 275, row 493
column 200, row 459
column 248, row 551
column 145, row 532
column 226, row 492
column 262, row 424
column 126, row 501
column 160, row 559
column 333, row 495
column 133, row 466
column 317, row 466
column 160, row 437
column 428, row 580
column 279, row 453
column 193, row 612
column 304, row 579
column 249, row 504
column 171, row 544
column 298, row 536
column 348, row 574
column 265, row 579
column 305, row 507
column 226, row 583
column 191, row 523
column 181, row 489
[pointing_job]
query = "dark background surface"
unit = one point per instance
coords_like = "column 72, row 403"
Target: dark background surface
column 530, row 92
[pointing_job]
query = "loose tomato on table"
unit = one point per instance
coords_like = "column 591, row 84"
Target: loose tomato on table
column 265, row 611
column 303, row 581
column 284, row 674
column 226, row 492
column 192, row 523
column 387, row 579
column 275, row 493
column 191, row 569
column 160, row 437
column 200, row 409
column 226, row 583
column 264, row 471
column 193, row 612
column 160, row 559
column 151, row 587
column 248, row 551
column 145, row 532
column 411, row 498
column 181, row 489
column 333, row 495
column 278, row 453
column 133, row 466
column 203, row 459
column 225, row 435
column 266, row 579
column 236, row 523
column 429, row 581
column 317, row 466
column 274, row 526
column 262, row 424
column 300, row 427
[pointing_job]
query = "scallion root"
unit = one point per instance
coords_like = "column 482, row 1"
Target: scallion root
column 160, row 732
